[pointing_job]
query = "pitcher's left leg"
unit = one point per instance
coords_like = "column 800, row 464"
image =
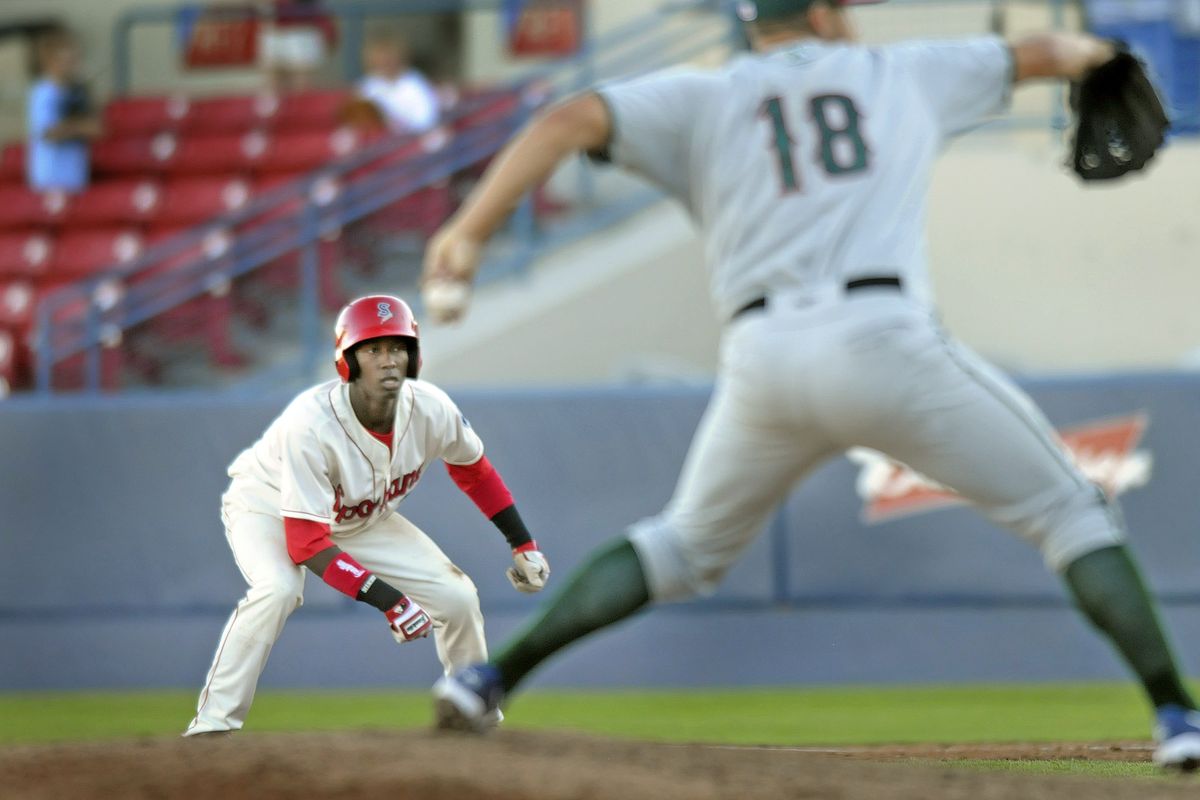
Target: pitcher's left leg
column 987, row 440
column 401, row 554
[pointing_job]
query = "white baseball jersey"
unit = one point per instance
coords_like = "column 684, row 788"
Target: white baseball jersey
column 807, row 168
column 317, row 462
column 409, row 102
column 843, row 134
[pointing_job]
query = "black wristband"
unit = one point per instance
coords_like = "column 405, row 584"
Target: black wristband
column 510, row 524
column 379, row 594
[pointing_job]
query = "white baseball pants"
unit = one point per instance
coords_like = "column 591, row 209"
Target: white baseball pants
column 394, row 549
column 812, row 376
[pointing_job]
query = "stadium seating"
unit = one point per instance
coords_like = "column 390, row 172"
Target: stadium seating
column 21, row 207
column 167, row 164
column 300, row 152
column 315, row 110
column 12, row 164
column 192, row 201
column 149, row 116
column 82, row 253
column 17, row 306
column 118, row 202
column 145, row 116
column 25, row 255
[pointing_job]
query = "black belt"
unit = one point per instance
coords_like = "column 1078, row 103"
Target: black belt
column 888, row 281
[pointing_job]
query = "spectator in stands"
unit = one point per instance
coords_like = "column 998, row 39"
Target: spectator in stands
column 295, row 43
column 405, row 98
column 62, row 122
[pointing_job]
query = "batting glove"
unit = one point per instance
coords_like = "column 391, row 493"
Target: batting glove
column 530, row 569
column 408, row 621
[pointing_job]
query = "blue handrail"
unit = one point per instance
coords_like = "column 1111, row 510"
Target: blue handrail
column 63, row 331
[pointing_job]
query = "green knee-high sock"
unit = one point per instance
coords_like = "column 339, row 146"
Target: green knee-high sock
column 1110, row 591
column 609, row 587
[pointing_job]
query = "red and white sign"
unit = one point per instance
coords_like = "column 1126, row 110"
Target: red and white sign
column 1105, row 450
column 547, row 28
column 222, row 37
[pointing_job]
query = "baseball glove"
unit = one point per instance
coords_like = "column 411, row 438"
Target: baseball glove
column 1120, row 122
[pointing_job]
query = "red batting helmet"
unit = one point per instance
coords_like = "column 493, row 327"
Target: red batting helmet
column 372, row 317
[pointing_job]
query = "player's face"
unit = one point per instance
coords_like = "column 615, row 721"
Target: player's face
column 384, row 59
column 382, row 364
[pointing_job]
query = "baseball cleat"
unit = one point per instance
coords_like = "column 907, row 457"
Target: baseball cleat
column 1178, row 735
column 469, row 700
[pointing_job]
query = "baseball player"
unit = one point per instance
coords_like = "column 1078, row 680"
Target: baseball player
column 320, row 490
column 806, row 166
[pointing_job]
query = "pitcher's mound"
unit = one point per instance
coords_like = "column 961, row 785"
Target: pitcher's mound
column 517, row 765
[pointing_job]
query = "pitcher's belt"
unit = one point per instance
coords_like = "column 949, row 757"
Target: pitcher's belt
column 873, row 282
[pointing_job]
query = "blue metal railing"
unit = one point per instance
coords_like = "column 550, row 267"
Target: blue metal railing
column 147, row 294
column 83, row 317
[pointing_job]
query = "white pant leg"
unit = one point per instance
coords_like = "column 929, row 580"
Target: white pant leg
column 901, row 386
column 400, row 554
column 753, row 444
column 276, row 589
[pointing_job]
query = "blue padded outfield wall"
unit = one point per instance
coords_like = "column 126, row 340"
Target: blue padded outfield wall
column 114, row 571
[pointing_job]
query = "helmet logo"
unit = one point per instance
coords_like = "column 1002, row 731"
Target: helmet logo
column 385, row 311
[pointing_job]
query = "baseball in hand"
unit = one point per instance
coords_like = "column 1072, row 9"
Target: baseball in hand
column 446, row 300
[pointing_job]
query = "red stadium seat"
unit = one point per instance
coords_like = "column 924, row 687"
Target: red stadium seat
column 25, row 255
column 315, row 110
column 82, row 253
column 117, row 202
column 237, row 114
column 145, row 116
column 24, row 208
column 217, row 153
column 18, row 301
column 140, row 155
column 299, row 152
column 149, row 116
column 12, row 164
column 189, row 201
column 179, row 154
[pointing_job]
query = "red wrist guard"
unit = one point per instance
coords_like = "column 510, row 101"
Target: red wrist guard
column 482, row 483
column 525, row 548
column 346, row 575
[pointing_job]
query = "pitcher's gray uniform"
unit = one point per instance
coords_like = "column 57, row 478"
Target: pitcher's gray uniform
column 807, row 169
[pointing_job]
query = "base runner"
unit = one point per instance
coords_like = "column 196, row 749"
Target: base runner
column 320, row 491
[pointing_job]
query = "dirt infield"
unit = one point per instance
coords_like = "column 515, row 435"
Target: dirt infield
column 536, row 766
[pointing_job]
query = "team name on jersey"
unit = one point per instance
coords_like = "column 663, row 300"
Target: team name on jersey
column 365, row 509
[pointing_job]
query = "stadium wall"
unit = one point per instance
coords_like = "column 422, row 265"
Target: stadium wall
column 114, row 571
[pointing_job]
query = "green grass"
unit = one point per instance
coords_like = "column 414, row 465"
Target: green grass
column 799, row 717
column 756, row 716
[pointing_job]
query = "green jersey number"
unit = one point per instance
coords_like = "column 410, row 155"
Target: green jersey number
column 842, row 150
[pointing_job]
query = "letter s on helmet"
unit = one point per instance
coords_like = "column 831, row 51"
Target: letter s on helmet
column 373, row 317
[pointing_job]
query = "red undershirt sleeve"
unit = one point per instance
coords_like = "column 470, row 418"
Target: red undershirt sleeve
column 305, row 538
column 482, row 483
